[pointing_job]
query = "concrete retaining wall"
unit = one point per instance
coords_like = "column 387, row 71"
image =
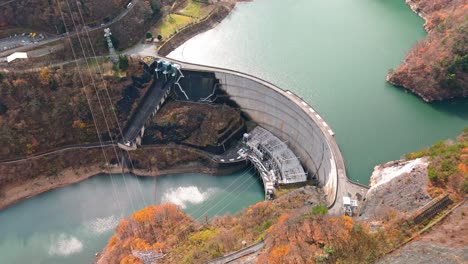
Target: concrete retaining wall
column 192, row 30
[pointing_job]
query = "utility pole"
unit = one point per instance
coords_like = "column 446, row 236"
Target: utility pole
column 155, row 189
column 113, row 54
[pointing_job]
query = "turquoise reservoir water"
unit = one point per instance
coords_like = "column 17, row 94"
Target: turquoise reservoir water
column 336, row 54
column 71, row 224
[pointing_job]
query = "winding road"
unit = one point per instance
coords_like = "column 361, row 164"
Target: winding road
column 67, row 35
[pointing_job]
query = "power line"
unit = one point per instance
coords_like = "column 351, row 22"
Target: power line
column 106, row 122
column 216, row 204
column 109, row 99
column 100, row 105
column 92, row 115
column 6, row 3
column 230, row 202
column 103, row 113
column 232, row 183
column 185, row 221
column 226, row 196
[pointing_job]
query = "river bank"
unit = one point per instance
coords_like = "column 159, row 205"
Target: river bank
column 417, row 10
column 191, row 30
column 44, row 183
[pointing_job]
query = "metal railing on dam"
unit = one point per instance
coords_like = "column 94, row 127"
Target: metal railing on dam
column 292, row 120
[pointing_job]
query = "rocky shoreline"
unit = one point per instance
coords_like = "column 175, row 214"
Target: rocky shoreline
column 432, row 67
column 414, row 7
column 396, row 84
column 419, row 94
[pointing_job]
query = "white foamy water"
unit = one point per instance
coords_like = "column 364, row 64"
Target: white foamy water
column 102, row 225
column 64, row 245
column 181, row 196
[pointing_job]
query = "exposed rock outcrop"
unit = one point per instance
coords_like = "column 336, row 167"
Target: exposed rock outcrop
column 399, row 185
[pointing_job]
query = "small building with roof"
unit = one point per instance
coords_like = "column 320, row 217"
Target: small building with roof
column 17, row 55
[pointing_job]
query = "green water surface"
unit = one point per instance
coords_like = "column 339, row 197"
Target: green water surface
column 336, row 54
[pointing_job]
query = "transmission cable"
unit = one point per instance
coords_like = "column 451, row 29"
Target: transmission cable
column 115, row 193
column 108, row 96
column 101, row 107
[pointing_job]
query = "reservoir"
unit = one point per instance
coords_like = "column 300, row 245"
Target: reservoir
column 335, row 54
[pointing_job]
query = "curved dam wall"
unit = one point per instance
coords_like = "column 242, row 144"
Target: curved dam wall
column 289, row 118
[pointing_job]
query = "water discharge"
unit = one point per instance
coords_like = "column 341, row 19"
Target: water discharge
column 103, row 224
column 182, row 196
column 64, row 245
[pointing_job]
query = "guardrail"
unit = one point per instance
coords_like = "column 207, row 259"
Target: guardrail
column 432, row 208
column 238, row 254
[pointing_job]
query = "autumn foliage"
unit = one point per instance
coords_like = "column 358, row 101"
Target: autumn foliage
column 154, row 228
column 166, row 228
column 322, row 239
column 291, row 230
column 437, row 67
column 448, row 168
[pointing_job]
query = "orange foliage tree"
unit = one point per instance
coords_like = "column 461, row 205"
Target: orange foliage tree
column 154, row 228
column 44, row 76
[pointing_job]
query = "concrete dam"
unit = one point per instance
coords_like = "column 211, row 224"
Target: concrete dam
column 281, row 112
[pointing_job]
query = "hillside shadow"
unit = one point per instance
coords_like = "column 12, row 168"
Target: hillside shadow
column 456, row 107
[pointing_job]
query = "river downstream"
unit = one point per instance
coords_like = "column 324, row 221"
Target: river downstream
column 71, row 224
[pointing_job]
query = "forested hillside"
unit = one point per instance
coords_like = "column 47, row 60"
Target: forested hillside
column 436, row 68
column 45, row 15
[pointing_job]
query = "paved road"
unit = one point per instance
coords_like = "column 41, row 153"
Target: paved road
column 53, row 65
column 230, row 155
column 66, row 35
column 12, row 42
column 209, row 155
column 57, row 150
